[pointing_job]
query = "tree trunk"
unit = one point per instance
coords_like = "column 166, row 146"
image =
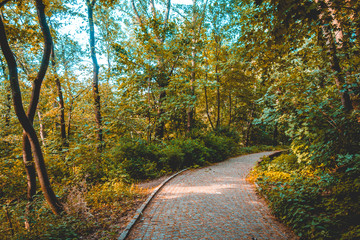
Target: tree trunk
column 230, row 109
column 64, row 142
column 42, row 134
column 207, row 107
column 191, row 109
column 8, row 96
column 149, row 112
column 275, row 135
column 248, row 130
column 160, row 126
column 25, row 119
column 95, row 82
column 69, row 120
column 327, row 13
column 218, row 99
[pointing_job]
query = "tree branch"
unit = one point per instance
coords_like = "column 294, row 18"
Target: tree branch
column 152, row 8
column 136, row 13
column 167, row 13
column 4, row 2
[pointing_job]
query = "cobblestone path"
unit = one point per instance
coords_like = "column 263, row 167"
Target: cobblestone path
column 215, row 202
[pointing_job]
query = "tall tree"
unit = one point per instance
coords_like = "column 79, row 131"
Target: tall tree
column 159, row 26
column 27, row 119
column 95, row 82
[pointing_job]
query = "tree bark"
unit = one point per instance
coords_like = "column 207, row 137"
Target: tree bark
column 230, row 109
column 218, row 99
column 25, row 119
column 329, row 13
column 42, row 134
column 248, row 130
column 8, row 96
column 191, row 109
column 207, row 107
column 95, row 82
column 160, row 127
column 64, row 142
column 149, row 112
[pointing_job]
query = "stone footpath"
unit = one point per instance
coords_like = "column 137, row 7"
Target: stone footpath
column 215, row 202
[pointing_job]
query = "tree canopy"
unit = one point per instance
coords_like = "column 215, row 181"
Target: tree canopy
column 95, row 95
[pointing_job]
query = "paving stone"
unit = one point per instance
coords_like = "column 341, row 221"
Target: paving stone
column 215, row 202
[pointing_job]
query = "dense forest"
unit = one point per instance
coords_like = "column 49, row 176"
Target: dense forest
column 96, row 95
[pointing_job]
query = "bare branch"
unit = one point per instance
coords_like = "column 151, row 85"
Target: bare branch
column 173, row 67
column 167, row 13
column 136, row 13
column 203, row 16
column 152, row 8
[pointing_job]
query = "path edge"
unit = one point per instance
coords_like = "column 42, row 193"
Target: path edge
column 139, row 212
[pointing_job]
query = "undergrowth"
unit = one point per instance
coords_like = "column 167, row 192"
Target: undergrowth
column 317, row 202
column 98, row 189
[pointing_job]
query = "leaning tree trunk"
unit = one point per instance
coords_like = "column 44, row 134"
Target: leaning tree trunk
column 24, row 119
column 95, row 82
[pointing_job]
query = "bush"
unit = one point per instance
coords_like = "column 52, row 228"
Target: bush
column 219, row 147
column 137, row 158
column 44, row 224
column 319, row 203
column 172, row 157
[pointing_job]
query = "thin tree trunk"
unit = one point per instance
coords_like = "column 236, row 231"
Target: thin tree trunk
column 275, row 134
column 207, row 107
column 248, row 133
column 30, row 178
column 60, row 101
column 42, row 134
column 149, row 112
column 248, row 130
column 218, row 99
column 69, row 119
column 8, row 96
column 160, row 126
column 95, row 82
column 8, row 216
column 230, row 109
column 191, row 109
column 25, row 119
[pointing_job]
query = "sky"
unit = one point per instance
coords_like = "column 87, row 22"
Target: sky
column 187, row 2
column 78, row 28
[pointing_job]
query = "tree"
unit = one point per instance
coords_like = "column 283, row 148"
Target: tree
column 95, row 82
column 26, row 119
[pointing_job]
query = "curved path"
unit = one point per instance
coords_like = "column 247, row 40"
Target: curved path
column 215, row 202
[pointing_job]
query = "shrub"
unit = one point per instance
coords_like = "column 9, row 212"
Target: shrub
column 172, row 157
column 194, row 151
column 219, row 147
column 319, row 203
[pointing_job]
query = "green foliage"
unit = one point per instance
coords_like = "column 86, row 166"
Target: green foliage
column 44, row 224
column 318, row 203
column 220, row 147
column 142, row 160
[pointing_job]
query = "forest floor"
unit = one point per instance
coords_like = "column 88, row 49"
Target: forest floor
column 112, row 221
column 215, row 202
